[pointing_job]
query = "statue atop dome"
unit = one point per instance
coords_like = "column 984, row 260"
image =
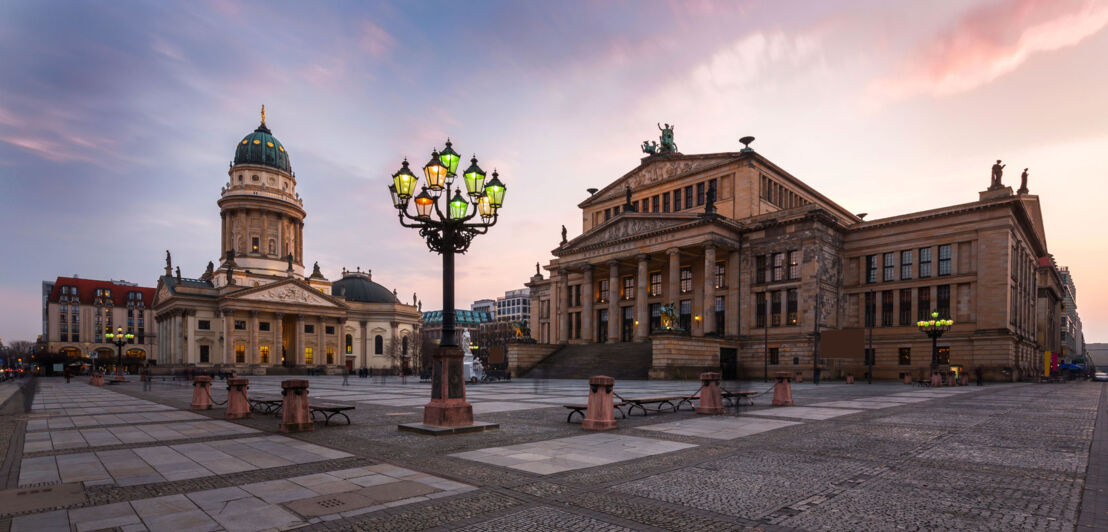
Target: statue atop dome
column 263, row 114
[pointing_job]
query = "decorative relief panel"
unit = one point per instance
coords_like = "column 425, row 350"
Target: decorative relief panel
column 289, row 294
column 661, row 171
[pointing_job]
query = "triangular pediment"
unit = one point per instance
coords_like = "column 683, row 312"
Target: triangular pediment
column 657, row 169
column 625, row 226
column 161, row 295
column 288, row 292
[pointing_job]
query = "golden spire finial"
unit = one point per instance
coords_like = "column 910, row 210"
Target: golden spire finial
column 263, row 114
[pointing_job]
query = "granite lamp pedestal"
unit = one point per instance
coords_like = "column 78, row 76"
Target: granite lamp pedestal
column 711, row 399
column 296, row 417
column 599, row 415
column 201, row 393
column 448, row 412
column 783, row 391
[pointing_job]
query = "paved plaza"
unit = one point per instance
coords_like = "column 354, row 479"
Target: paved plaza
column 885, row 456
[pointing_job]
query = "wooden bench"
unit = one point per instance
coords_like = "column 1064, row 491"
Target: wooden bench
column 734, row 397
column 664, row 402
column 330, row 410
column 266, row 405
column 581, row 409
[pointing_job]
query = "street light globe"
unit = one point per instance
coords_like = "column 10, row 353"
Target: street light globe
column 449, row 157
column 458, row 206
column 475, row 178
column 934, row 314
column 423, row 203
column 435, row 172
column 495, row 189
column 405, row 181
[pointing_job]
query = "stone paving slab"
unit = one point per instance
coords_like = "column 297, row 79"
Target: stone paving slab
column 54, row 440
column 565, row 454
column 719, row 427
column 803, row 412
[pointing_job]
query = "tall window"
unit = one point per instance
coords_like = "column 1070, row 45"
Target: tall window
column 254, row 244
column 923, row 302
column 263, row 354
column 944, row 355
column 654, row 203
column 887, row 308
column 775, row 308
column 906, row 306
column 686, row 280
column 794, row 265
column 905, row 356
column 924, row 262
column 676, row 200
column 890, row 266
column 721, row 274
column 906, row 264
column 240, row 354
column 309, row 329
column 760, row 309
column 688, row 197
column 871, row 268
column 778, row 266
column 349, row 344
column 774, row 355
column 720, row 313
column 685, row 314
column 203, row 325
column 629, row 287
column 665, row 202
column 602, row 291
column 760, row 269
column 699, row 194
column 871, row 310
column 790, row 306
column 942, row 294
column 330, row 355
column 944, row 259
column 378, row 345
column 655, row 283
column 205, row 354
column 655, row 316
column 308, row 355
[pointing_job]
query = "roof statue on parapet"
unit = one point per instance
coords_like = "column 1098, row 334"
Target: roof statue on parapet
column 998, row 174
column 1023, row 182
column 665, row 144
column 564, row 234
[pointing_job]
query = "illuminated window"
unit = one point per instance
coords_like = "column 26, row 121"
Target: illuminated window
column 721, row 274
column 602, row 291
column 254, row 244
column 794, row 265
column 628, row 287
column 240, row 354
column 655, row 283
column 308, row 358
column 905, row 357
column 330, row 355
column 263, row 354
column 778, row 266
column 349, row 344
column 686, row 280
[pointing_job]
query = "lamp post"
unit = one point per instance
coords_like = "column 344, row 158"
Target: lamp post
column 448, row 231
column 871, row 317
column 934, row 328
column 119, row 339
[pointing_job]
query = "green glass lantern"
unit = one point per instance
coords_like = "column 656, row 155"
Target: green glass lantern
column 458, row 206
column 435, row 172
column 475, row 178
column 423, row 204
column 395, row 198
column 450, row 158
column 495, row 190
column 935, row 314
column 404, row 181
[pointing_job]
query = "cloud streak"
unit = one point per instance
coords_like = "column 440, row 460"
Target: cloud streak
column 990, row 42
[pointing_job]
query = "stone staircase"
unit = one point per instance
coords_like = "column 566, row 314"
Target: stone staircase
column 581, row 361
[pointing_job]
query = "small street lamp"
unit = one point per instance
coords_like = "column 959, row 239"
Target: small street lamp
column 119, row 339
column 934, row 328
column 448, row 230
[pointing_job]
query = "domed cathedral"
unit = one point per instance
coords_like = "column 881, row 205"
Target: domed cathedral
column 258, row 311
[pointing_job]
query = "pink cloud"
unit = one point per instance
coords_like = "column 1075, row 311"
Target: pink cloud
column 47, row 149
column 992, row 41
column 375, row 39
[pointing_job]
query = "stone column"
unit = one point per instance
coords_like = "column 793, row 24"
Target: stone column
column 365, row 344
column 642, row 279
column 228, row 341
column 320, row 357
column 560, row 303
column 613, row 301
column 588, row 330
column 278, row 345
column 189, row 339
column 673, row 286
column 732, row 302
column 298, row 355
column 252, row 352
column 708, row 298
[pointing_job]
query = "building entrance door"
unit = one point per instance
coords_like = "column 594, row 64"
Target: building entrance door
column 349, row 364
column 602, row 326
column 288, row 341
column 627, row 326
column 729, row 363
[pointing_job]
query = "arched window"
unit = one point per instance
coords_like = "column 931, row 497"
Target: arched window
column 378, row 345
column 349, row 344
column 404, row 346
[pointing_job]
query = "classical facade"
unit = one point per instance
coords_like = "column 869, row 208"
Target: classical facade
column 77, row 312
column 726, row 260
column 259, row 310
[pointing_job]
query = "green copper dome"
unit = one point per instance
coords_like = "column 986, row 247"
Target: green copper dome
column 261, row 147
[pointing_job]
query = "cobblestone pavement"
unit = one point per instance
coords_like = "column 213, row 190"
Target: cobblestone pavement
column 884, row 456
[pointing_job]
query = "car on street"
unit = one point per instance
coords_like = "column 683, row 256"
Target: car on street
column 1100, row 376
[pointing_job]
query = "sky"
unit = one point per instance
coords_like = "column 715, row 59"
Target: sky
column 118, row 120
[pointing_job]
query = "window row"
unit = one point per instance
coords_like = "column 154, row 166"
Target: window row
column 684, row 198
column 775, row 267
column 773, row 302
column 264, row 326
column 887, row 263
column 779, row 195
column 905, row 315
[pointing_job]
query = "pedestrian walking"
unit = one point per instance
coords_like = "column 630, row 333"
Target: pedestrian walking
column 67, row 375
column 146, row 380
column 980, row 374
column 346, row 378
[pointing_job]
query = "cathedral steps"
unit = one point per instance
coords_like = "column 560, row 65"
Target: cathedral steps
column 581, row 361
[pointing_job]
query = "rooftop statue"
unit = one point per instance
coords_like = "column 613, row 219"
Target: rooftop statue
column 998, row 174
column 564, row 234
column 665, row 144
column 1023, row 182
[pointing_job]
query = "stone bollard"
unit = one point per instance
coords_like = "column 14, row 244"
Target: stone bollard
column 96, row 379
column 296, row 417
column 964, row 381
column 711, row 399
column 850, row 379
column 936, row 380
column 782, row 391
column 201, row 392
column 238, row 406
column 951, row 380
column 907, row 378
column 599, row 415
column 798, row 377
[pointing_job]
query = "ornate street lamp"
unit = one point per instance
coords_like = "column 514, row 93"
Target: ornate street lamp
column 934, row 328
column 448, row 230
column 119, row 339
